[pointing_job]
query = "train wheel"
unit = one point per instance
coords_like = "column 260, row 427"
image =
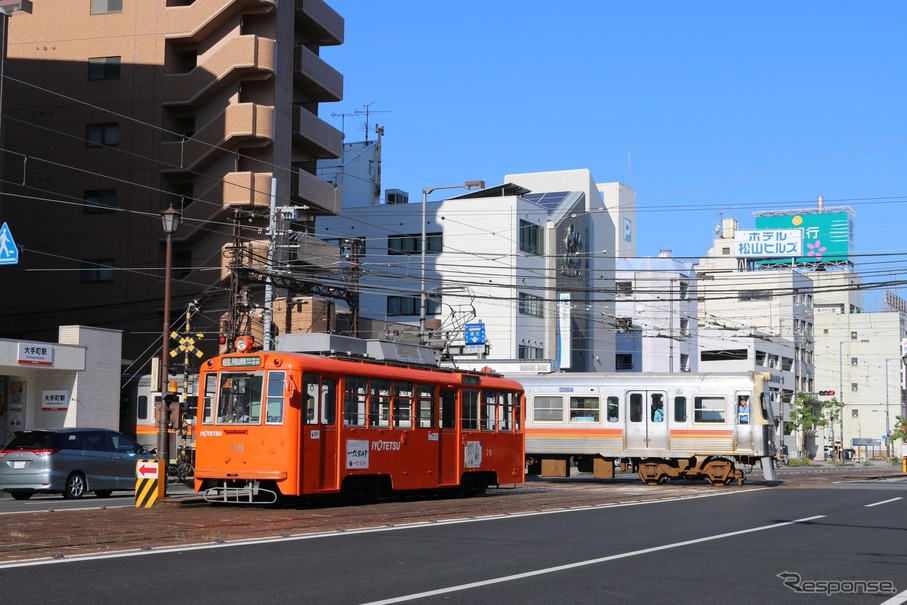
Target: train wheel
column 719, row 472
column 651, row 473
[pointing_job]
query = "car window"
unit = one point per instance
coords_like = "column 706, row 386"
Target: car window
column 125, row 445
column 32, row 440
column 68, row 441
column 97, row 441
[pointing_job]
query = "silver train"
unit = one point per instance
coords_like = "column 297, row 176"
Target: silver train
column 661, row 425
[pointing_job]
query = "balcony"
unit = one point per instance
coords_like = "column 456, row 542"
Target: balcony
column 246, row 57
column 315, row 136
column 246, row 189
column 198, row 20
column 318, row 23
column 311, row 74
column 241, row 125
column 319, row 197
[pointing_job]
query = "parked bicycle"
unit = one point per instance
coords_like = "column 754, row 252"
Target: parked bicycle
column 182, row 470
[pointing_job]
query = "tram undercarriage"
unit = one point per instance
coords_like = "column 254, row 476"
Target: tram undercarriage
column 717, row 470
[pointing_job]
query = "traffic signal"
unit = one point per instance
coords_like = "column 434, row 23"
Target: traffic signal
column 826, row 393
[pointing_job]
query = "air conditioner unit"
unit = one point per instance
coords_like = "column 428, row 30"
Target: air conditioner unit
column 396, row 196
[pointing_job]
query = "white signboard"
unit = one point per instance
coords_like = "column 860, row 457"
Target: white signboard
column 35, row 354
column 768, row 243
column 564, row 320
column 357, row 453
column 54, row 400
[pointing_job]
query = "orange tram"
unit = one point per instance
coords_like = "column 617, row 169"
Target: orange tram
column 375, row 418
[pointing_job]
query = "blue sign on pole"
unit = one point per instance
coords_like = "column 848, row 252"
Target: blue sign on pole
column 475, row 334
column 9, row 253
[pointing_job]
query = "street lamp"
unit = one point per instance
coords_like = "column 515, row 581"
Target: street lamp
column 887, row 420
column 841, row 391
column 170, row 218
column 423, row 299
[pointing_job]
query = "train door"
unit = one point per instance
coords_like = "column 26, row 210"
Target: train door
column 449, row 447
column 647, row 426
column 319, row 434
column 745, row 418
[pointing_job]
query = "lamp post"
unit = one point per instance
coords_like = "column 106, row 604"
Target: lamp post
column 170, row 218
column 887, row 419
column 423, row 299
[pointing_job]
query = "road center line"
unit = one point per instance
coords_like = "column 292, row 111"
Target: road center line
column 882, row 502
column 557, row 568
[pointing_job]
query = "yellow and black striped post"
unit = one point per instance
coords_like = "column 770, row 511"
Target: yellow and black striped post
column 147, row 476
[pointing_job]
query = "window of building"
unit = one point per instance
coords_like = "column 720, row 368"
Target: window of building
column 411, row 305
column 530, row 237
column 623, row 362
column 854, row 361
column 624, row 288
column 100, row 201
column 104, row 68
column 854, row 386
column 684, row 362
column 96, row 271
column 97, row 135
column 623, row 324
column 101, row 7
column 745, row 295
column 684, row 290
column 412, row 244
column 530, row 304
column 182, row 263
column 529, row 352
column 726, row 355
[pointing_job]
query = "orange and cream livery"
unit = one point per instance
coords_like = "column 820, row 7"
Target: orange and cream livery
column 326, row 414
column 662, row 425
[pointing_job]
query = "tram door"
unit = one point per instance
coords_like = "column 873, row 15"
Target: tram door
column 648, row 420
column 744, row 416
column 319, row 434
column 449, row 446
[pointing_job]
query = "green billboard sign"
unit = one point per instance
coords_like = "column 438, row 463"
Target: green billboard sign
column 827, row 236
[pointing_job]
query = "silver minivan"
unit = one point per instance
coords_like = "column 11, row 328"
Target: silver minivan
column 69, row 461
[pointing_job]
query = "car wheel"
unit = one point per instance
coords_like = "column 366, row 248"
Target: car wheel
column 103, row 493
column 75, row 486
column 20, row 495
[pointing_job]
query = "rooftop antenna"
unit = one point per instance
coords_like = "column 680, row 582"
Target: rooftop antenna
column 343, row 117
column 367, row 111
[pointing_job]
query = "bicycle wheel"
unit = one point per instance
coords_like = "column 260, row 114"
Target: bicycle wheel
column 173, row 473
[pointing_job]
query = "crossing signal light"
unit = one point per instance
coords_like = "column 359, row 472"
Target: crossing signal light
column 826, row 393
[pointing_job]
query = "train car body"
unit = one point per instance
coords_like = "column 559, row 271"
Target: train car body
column 140, row 409
column 664, row 425
column 284, row 423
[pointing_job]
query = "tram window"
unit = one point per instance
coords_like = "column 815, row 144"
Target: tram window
column 240, row 398
column 548, row 409
column 274, row 406
column 709, row 409
column 210, row 394
column 310, row 398
column 403, row 405
column 507, row 409
column 584, row 409
column 657, row 407
column 379, row 403
column 354, row 401
column 448, row 409
column 613, row 409
column 470, row 410
column 636, row 407
column 680, row 409
column 425, row 406
column 489, row 410
column 328, row 401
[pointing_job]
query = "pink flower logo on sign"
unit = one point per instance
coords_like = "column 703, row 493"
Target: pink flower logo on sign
column 816, row 249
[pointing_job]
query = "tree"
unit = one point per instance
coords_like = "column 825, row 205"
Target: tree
column 899, row 431
column 809, row 414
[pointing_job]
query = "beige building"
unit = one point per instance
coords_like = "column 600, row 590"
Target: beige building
column 115, row 110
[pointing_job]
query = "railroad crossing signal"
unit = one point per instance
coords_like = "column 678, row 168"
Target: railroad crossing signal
column 186, row 344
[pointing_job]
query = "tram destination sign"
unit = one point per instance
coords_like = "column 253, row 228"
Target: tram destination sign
column 248, row 360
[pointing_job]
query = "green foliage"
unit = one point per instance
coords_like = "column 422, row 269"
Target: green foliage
column 899, row 430
column 799, row 462
column 809, row 414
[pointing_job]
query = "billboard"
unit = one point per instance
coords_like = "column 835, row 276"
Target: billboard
column 827, row 236
column 768, row 243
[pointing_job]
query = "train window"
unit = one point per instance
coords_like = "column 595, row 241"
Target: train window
column 425, row 406
column 354, row 400
column 210, row 394
column 310, row 398
column 507, row 410
column 403, row 405
column 489, row 410
column 240, row 398
column 584, row 409
column 274, row 406
column 448, row 409
column 470, row 410
column 657, row 407
column 547, row 409
column 379, row 403
column 709, row 409
column 635, row 407
column 328, row 401
column 680, row 409
column 613, row 409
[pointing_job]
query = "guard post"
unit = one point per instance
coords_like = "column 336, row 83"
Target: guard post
column 147, row 476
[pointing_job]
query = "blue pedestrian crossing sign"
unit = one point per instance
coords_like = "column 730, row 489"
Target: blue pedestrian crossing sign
column 9, row 253
column 475, row 334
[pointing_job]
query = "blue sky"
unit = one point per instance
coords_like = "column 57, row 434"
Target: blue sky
column 706, row 109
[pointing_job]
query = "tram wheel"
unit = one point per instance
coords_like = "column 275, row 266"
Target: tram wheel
column 719, row 472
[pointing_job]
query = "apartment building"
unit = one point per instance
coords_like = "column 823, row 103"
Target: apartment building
column 115, row 110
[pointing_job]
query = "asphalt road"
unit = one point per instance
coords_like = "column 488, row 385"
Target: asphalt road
column 824, row 541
